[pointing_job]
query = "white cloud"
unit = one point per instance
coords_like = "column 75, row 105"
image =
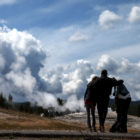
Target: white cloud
column 126, row 70
column 73, row 80
column 134, row 15
column 74, row 104
column 114, row 66
column 19, row 64
column 106, row 62
column 72, row 86
column 23, row 39
column 21, row 58
column 108, row 18
column 2, row 21
column 24, row 81
column 2, row 63
column 76, row 81
column 45, row 99
column 53, row 80
column 78, row 37
column 7, row 2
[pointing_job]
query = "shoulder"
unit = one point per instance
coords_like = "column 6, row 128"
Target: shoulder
column 108, row 79
column 111, row 79
column 99, row 80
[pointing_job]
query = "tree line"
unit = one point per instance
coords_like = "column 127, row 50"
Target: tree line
column 134, row 108
column 32, row 108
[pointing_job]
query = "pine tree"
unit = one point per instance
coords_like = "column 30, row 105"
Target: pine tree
column 10, row 98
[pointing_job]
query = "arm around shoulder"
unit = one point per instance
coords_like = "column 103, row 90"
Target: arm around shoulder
column 117, row 82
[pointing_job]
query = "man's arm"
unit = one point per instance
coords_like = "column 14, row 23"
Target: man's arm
column 116, row 82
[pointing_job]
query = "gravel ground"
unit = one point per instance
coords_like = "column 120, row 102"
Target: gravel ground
column 133, row 122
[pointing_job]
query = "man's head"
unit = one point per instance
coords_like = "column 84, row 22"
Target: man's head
column 104, row 72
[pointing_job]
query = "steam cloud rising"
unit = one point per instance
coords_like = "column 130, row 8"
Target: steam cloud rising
column 22, row 58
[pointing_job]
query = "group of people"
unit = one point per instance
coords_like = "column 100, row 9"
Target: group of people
column 98, row 93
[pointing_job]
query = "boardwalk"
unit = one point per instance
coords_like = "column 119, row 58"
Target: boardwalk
column 68, row 134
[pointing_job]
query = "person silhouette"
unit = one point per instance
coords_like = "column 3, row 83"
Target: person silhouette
column 122, row 102
column 90, row 103
column 103, row 86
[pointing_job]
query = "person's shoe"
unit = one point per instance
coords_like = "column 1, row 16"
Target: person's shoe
column 94, row 129
column 89, row 130
column 102, row 129
column 112, row 130
column 123, row 130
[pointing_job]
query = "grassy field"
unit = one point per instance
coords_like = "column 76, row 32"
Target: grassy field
column 13, row 120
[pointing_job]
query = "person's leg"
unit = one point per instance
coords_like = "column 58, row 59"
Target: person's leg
column 113, row 128
column 116, row 126
column 104, row 109
column 88, row 116
column 93, row 118
column 100, row 107
column 125, row 108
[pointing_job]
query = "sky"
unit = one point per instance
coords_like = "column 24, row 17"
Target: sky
column 52, row 48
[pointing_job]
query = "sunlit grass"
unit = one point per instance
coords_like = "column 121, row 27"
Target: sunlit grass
column 10, row 119
column 15, row 120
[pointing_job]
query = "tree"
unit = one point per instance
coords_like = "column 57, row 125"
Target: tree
column 10, row 98
column 60, row 102
column 138, row 110
column 2, row 100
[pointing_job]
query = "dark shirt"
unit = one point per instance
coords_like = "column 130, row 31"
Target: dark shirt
column 90, row 94
column 103, row 86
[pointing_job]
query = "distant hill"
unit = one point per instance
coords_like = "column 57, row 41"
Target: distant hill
column 134, row 108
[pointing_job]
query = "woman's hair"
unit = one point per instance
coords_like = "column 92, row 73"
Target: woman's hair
column 94, row 78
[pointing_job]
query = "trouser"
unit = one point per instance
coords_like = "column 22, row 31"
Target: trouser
column 102, row 106
column 90, row 110
column 122, row 107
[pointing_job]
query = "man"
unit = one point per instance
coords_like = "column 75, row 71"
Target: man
column 103, row 87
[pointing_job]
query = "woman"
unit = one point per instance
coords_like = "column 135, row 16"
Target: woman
column 122, row 102
column 90, row 103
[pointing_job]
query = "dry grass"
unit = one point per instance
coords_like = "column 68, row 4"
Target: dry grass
column 13, row 120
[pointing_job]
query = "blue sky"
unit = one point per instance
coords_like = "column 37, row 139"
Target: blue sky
column 25, row 14
column 74, row 35
column 54, row 21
